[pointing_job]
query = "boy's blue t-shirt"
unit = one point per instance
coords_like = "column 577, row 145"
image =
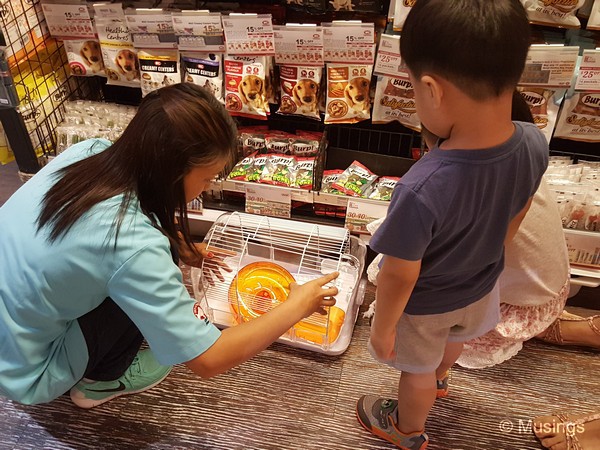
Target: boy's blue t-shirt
column 45, row 287
column 452, row 210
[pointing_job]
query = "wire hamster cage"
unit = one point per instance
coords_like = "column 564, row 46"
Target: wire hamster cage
column 265, row 255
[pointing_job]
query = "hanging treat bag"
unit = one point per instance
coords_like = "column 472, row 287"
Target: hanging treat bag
column 553, row 12
column 85, row 57
column 401, row 10
column 204, row 69
column 383, row 188
column 303, row 177
column 279, row 170
column 300, row 90
column 120, row 57
column 395, row 101
column 579, row 118
column 159, row 68
column 355, row 181
column 245, row 86
column 348, row 93
column 594, row 20
column 544, row 105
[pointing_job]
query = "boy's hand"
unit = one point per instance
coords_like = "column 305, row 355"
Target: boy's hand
column 383, row 343
column 312, row 296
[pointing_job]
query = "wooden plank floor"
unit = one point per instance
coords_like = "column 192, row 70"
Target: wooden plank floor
column 287, row 398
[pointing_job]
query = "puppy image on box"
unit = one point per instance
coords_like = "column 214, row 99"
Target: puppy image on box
column 356, row 94
column 92, row 56
column 252, row 92
column 341, row 5
column 128, row 65
column 306, row 95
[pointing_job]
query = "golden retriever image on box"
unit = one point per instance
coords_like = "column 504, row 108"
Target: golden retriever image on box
column 128, row 65
column 252, row 92
column 92, row 56
column 356, row 94
column 306, row 95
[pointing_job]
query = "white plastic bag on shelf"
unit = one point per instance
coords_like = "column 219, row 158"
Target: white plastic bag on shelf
column 544, row 105
column 395, row 101
column 553, row 13
column 594, row 20
column 579, row 118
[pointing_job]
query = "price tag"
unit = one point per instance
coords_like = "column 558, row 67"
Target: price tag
column 361, row 212
column 268, row 201
column 199, row 31
column 549, row 66
column 388, row 61
column 589, row 72
column 299, row 45
column 249, row 34
column 69, row 21
column 349, row 43
column 151, row 28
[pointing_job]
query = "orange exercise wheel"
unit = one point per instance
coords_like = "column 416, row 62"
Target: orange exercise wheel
column 260, row 286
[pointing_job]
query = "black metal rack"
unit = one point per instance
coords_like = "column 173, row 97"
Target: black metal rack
column 41, row 84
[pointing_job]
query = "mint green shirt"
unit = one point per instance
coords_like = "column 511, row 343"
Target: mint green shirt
column 45, row 287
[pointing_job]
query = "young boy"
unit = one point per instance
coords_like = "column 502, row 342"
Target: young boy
column 443, row 238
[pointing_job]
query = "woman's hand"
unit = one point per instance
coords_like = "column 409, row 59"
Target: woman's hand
column 212, row 258
column 313, row 296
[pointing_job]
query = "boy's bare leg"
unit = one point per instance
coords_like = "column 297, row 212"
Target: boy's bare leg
column 416, row 395
column 451, row 354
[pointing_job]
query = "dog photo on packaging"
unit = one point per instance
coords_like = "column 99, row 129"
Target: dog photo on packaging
column 348, row 93
column 246, row 86
column 300, row 90
column 85, row 57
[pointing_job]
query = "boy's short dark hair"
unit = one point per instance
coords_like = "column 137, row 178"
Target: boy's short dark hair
column 478, row 45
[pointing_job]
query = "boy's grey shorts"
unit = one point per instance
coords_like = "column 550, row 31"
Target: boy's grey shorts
column 421, row 339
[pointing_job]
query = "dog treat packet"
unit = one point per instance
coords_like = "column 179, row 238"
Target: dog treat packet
column 594, row 20
column 245, row 86
column 258, row 165
column 242, row 168
column 300, row 90
column 401, row 12
column 544, row 105
column 159, row 68
column 278, row 144
column 579, row 118
column 304, row 146
column 253, row 142
column 395, row 101
column 204, row 69
column 85, row 57
column 553, row 12
column 355, row 180
column 383, row 188
column 279, row 170
column 120, row 57
column 348, row 93
column 329, row 178
column 303, row 177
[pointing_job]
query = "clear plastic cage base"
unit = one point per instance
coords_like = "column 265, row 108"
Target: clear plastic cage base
column 306, row 251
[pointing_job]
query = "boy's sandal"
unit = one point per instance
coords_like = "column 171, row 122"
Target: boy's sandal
column 570, row 426
column 379, row 416
column 554, row 333
column 442, row 385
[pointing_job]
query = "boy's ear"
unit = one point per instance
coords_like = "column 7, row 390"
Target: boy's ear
column 434, row 89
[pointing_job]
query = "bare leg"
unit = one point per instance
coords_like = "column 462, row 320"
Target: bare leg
column 451, row 354
column 416, row 395
column 573, row 332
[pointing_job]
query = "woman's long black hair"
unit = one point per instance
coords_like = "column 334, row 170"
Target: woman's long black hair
column 175, row 129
